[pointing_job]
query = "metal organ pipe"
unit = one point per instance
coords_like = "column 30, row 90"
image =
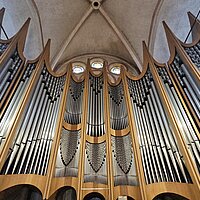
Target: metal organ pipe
column 3, row 47
column 10, row 112
column 68, row 154
column 187, row 129
column 194, row 54
column 123, row 160
column 95, row 162
column 118, row 110
column 30, row 150
column 169, row 140
column 95, row 119
column 122, row 153
column 73, row 109
column 7, row 75
column 161, row 157
column 190, row 87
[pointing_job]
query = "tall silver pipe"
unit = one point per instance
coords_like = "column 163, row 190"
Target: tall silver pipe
column 30, row 141
column 161, row 147
column 167, row 135
column 140, row 143
column 20, row 130
column 161, row 130
column 26, row 131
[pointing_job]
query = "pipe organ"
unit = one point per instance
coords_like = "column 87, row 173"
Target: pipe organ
column 98, row 130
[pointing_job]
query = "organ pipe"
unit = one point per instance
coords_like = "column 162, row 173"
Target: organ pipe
column 185, row 72
column 73, row 111
column 123, row 161
column 14, row 76
column 118, row 110
column 11, row 110
column 95, row 121
column 12, row 64
column 95, row 168
column 190, row 88
column 162, row 161
column 31, row 148
column 68, row 153
column 190, row 133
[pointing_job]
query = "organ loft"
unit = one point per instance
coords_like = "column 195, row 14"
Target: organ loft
column 94, row 113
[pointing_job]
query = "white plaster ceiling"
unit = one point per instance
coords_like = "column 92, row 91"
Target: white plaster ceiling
column 96, row 38
column 175, row 15
column 117, row 28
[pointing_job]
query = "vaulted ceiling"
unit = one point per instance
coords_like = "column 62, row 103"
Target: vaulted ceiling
column 107, row 27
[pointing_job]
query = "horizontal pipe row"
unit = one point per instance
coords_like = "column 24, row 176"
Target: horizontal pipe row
column 3, row 47
column 194, row 53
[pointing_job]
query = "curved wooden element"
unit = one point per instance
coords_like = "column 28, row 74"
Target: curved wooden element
column 133, row 130
column 108, row 138
column 94, row 71
column 183, row 189
column 115, row 79
column 7, row 99
column 78, row 78
column 56, row 142
column 174, row 44
column 96, row 140
column 120, row 132
column 18, row 39
column 58, row 183
column 18, row 179
column 89, row 55
column 195, row 126
column 94, row 195
column 83, row 136
column 71, row 127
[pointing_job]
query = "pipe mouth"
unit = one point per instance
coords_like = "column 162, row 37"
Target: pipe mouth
column 96, row 5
